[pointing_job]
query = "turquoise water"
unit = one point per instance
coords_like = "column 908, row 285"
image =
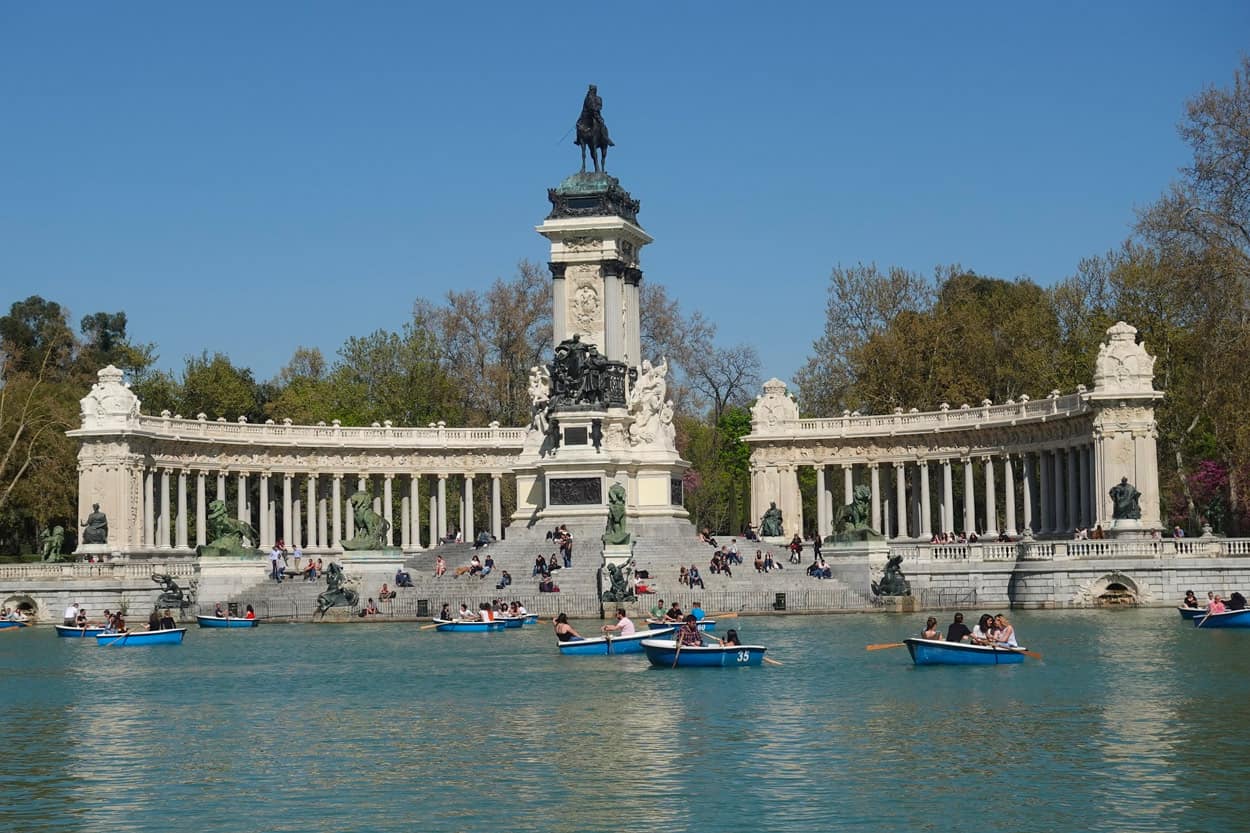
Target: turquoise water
column 1133, row 721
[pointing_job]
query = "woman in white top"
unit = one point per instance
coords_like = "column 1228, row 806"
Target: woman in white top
column 1005, row 633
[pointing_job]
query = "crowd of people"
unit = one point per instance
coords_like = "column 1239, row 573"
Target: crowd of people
column 17, row 614
column 1215, row 602
column 486, row 611
column 989, row 630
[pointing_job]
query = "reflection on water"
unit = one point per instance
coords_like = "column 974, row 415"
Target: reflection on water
column 1132, row 722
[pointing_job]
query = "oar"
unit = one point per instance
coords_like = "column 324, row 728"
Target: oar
column 118, row 639
column 430, row 626
column 770, row 661
column 677, row 653
column 1033, row 654
column 881, row 646
column 730, row 615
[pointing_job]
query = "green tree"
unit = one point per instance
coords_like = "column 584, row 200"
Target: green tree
column 213, row 385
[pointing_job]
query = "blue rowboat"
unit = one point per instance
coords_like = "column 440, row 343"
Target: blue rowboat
column 226, row 622
column 71, row 632
column 511, row 621
column 704, row 624
column 11, row 623
column 465, row 626
column 172, row 636
column 1192, row 612
column 1227, row 619
column 663, row 653
column 602, row 646
column 937, row 652
column 530, row 618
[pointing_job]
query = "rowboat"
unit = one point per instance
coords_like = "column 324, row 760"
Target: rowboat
column 1192, row 612
column 1227, row 619
column 225, row 622
column 467, row 626
column 72, row 632
column 664, row 654
column 600, row 646
column 173, row 636
column 530, row 618
column 11, row 623
column 937, row 652
column 704, row 624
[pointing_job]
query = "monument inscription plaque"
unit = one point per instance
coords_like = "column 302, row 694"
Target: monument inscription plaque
column 575, row 491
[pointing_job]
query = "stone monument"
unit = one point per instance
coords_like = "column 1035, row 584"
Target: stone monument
column 600, row 414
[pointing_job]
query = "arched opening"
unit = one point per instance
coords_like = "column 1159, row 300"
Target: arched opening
column 23, row 603
column 1117, row 594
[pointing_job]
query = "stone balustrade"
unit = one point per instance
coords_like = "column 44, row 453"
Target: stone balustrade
column 121, row 569
column 279, row 434
column 1211, row 547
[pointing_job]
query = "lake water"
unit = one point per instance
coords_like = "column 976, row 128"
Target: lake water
column 1132, row 721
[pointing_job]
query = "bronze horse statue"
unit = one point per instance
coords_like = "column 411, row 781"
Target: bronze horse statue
column 592, row 132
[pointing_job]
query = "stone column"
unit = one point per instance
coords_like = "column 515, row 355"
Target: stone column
column 180, row 539
column 469, row 532
column 414, row 493
column 559, row 303
column 266, row 533
column 1044, row 494
column 1061, row 523
column 900, row 497
column 433, row 535
column 149, row 508
column 166, row 540
column 496, row 506
column 221, row 486
column 241, row 499
column 633, row 334
column 336, row 510
column 970, row 508
column 297, row 514
column 948, row 498
column 1009, row 496
column 201, row 508
column 991, row 506
column 848, row 483
column 405, row 519
column 1026, row 487
column 388, row 507
column 822, row 522
column 287, row 536
column 441, row 530
column 875, row 475
column 1083, row 461
column 311, row 540
column 613, row 319
column 1073, row 519
column 926, row 505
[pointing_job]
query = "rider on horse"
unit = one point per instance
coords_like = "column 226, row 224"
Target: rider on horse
column 592, row 132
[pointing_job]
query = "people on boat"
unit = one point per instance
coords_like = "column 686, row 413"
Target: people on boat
column 250, row 614
column 81, row 621
column 71, row 614
column 485, row 612
column 1004, row 633
column 981, row 631
column 464, row 614
column 564, row 631
column 1236, row 601
column 624, row 625
column 520, row 610
column 167, row 621
column 930, row 629
column 1217, row 605
column 657, row 610
column 445, row 613
column 689, row 634
column 673, row 614
column 154, row 620
column 1191, row 601
column 697, row 612
column 957, row 631
column 731, row 638
column 218, row 612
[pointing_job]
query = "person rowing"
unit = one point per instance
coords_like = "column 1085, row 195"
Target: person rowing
column 689, row 635
column 564, row 631
column 624, row 625
column 731, row 638
column 1004, row 633
column 930, row 629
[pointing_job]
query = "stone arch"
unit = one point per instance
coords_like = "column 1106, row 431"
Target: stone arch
column 1112, row 590
column 21, row 601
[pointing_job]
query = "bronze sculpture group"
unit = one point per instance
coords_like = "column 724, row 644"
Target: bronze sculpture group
column 592, row 133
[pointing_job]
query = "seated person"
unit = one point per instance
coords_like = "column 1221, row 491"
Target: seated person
column 440, row 566
column 483, row 539
column 750, row 533
column 695, row 578
column 1191, row 601
column 731, row 638
column 641, row 587
column 564, row 631
column 154, row 621
column 958, row 631
column 250, row 614
column 218, row 612
column 487, row 566
column 540, row 566
column 371, row 609
column 505, row 578
column 552, row 564
column 403, row 578
column 930, row 629
column 547, row 585
column 167, row 621
column 310, row 572
column 386, row 593
column 1236, row 601
column 673, row 614
column 683, row 576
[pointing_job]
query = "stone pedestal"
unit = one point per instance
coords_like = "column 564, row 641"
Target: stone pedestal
column 222, row 578
column 373, row 562
column 1127, row 529
column 855, row 563
column 97, row 552
column 618, row 554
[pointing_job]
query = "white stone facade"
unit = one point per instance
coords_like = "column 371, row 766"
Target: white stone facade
column 1065, row 451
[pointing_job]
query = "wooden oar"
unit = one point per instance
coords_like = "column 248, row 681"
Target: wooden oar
column 1033, row 654
column 677, row 653
column 430, row 626
column 881, row 646
column 730, row 615
column 771, row 661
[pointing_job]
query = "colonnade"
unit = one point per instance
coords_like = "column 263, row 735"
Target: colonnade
column 916, row 499
column 312, row 510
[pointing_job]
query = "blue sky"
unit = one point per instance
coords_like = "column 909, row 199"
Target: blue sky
column 251, row 177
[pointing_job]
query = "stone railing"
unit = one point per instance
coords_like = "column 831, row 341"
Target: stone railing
column 993, row 551
column 183, row 568
column 284, row 433
column 916, row 422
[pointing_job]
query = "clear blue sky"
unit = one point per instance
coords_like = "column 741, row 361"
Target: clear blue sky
column 249, row 177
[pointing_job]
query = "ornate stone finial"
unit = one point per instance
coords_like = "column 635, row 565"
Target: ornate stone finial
column 898, row 410
column 201, row 417
column 494, row 423
column 386, row 423
column 242, row 419
column 913, row 410
column 1024, row 398
column 1054, row 394
column 945, row 406
column 774, row 407
column 287, row 421
column 270, row 422
column 110, row 402
column 166, row 414
column 987, row 402
column 177, row 416
column 1123, row 365
column 221, row 419
column 336, row 422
